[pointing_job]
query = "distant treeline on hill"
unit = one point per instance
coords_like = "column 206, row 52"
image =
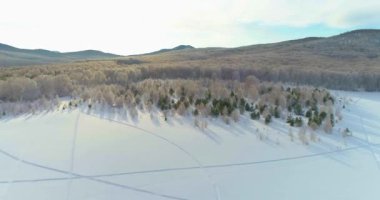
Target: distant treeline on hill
column 30, row 83
column 349, row 61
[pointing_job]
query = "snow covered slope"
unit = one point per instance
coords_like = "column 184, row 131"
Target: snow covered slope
column 78, row 155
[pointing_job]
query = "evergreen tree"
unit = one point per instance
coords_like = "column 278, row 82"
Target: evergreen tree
column 268, row 119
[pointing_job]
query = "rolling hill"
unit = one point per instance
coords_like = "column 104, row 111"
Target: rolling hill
column 12, row 56
column 346, row 61
column 359, row 47
column 179, row 47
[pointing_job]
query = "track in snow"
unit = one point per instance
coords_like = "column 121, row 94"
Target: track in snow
column 84, row 177
column 72, row 156
column 375, row 154
column 95, row 178
column 76, row 176
column 190, row 155
column 72, row 174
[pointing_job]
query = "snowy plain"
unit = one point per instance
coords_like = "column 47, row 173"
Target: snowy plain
column 80, row 155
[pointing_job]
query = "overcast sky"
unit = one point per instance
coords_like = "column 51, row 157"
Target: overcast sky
column 130, row 27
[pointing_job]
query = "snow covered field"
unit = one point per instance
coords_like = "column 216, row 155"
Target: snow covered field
column 75, row 155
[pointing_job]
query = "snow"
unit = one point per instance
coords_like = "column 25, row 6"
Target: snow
column 79, row 155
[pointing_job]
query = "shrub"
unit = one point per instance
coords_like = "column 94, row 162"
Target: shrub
column 332, row 119
column 298, row 122
column 322, row 115
column 268, row 119
column 164, row 103
column 247, row 107
column 214, row 112
column 346, row 132
column 171, row 91
column 255, row 115
column 298, row 109
column 276, row 112
column 196, row 112
column 309, row 113
column 290, row 120
column 262, row 108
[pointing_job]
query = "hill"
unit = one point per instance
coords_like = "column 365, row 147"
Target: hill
column 348, row 61
column 12, row 56
column 359, row 45
column 177, row 48
column 345, row 61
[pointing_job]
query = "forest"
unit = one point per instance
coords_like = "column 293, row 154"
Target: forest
column 222, row 93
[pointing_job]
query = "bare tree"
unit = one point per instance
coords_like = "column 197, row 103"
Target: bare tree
column 291, row 135
column 327, row 127
column 181, row 110
column 235, row 115
column 302, row 135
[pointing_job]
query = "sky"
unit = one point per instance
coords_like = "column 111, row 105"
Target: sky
column 128, row 27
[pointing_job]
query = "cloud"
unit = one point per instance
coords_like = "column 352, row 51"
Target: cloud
column 129, row 27
column 337, row 13
column 361, row 17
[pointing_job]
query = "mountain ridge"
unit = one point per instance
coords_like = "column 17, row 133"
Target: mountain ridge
column 177, row 48
column 13, row 56
column 361, row 46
